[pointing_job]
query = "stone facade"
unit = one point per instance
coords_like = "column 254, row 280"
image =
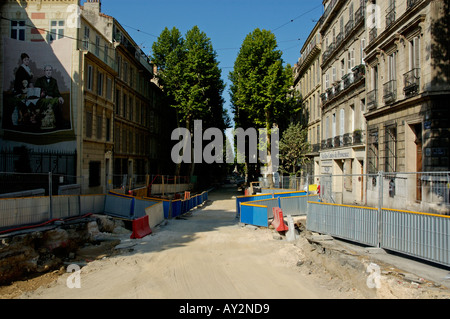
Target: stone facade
column 114, row 106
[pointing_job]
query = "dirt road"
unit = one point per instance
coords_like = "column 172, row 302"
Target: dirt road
column 208, row 255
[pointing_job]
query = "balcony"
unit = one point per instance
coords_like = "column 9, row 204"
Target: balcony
column 357, row 137
column 347, row 139
column 338, row 141
column 323, row 145
column 330, row 143
column 358, row 72
column 372, row 34
column 390, row 91
column 349, row 27
column 316, row 148
column 412, row 82
column 412, row 3
column 372, row 99
column 360, row 14
column 390, row 15
column 339, row 38
column 324, row 97
column 348, row 79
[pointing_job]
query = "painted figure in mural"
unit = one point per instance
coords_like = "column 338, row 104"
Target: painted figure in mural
column 23, row 87
column 23, row 75
column 51, row 99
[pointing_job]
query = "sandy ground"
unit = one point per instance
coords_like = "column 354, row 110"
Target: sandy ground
column 209, row 255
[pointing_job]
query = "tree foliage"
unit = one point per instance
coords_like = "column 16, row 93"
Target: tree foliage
column 260, row 83
column 191, row 78
column 293, row 148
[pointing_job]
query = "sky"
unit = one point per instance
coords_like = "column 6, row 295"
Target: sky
column 225, row 22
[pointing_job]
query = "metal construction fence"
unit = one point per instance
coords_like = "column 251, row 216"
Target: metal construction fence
column 422, row 235
column 13, row 184
column 427, row 192
column 425, row 235
column 17, row 212
column 21, row 212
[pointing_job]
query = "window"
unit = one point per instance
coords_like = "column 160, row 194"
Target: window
column 100, row 83
column 318, row 133
column 105, row 53
column 117, row 139
column 334, row 125
column 56, row 30
column 125, row 98
column 119, row 65
column 108, row 129
column 86, row 38
column 392, row 66
column 97, row 45
column 125, row 71
column 372, row 155
column 390, row 149
column 131, row 142
column 350, row 12
column 89, row 77
column 89, row 124
column 343, row 67
column 109, row 88
column 131, row 108
column 18, row 30
column 94, row 174
column 117, row 101
column 334, row 74
column 351, row 59
column 414, row 53
column 363, row 46
column 131, row 76
column 99, row 127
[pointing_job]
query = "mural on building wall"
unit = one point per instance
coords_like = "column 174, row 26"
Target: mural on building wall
column 37, row 88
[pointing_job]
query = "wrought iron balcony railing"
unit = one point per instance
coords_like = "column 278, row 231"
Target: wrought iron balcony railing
column 338, row 141
column 412, row 82
column 349, row 27
column 372, row 34
column 360, row 14
column 390, row 15
column 347, row 140
column 372, row 99
column 390, row 91
column 330, row 143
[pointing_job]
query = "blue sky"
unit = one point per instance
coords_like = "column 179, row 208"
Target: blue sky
column 225, row 22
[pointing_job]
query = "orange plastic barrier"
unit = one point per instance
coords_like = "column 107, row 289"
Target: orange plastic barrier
column 278, row 220
column 141, row 228
column 187, row 195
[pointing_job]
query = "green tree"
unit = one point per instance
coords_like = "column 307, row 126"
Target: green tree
column 260, row 84
column 293, row 148
column 191, row 79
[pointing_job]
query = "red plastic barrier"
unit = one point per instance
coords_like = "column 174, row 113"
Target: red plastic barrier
column 278, row 220
column 141, row 228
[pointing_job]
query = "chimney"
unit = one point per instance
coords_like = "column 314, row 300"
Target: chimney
column 93, row 6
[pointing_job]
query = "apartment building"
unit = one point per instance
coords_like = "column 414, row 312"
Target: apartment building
column 98, row 75
column 343, row 98
column 407, row 91
column 106, row 119
column 307, row 81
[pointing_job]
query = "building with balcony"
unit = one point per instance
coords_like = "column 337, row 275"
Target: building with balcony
column 407, row 90
column 307, row 81
column 343, row 98
column 105, row 119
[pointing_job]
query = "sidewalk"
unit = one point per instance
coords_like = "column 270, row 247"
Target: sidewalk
column 410, row 268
